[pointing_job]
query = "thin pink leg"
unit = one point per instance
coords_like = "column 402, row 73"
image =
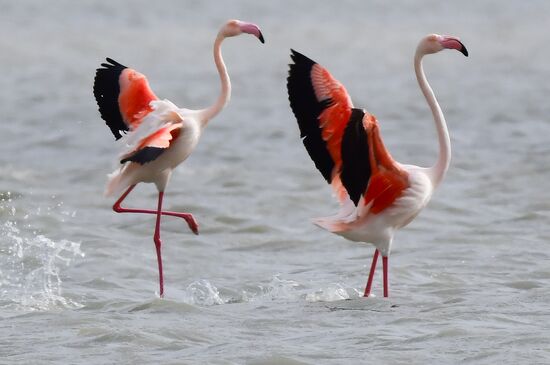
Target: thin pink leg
column 158, row 243
column 385, row 268
column 191, row 222
column 371, row 274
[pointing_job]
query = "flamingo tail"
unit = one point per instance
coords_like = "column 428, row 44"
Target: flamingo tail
column 340, row 221
column 118, row 181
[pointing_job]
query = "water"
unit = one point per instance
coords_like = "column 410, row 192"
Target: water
column 261, row 285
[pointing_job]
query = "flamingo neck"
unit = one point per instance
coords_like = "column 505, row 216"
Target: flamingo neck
column 225, row 94
column 436, row 172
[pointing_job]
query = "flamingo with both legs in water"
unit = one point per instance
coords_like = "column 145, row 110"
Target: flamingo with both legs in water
column 377, row 194
column 160, row 135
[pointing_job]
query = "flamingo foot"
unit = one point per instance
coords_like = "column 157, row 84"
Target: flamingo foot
column 188, row 217
column 191, row 222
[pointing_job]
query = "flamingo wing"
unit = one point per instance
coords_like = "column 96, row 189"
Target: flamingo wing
column 322, row 108
column 123, row 96
column 343, row 142
column 153, row 145
column 368, row 170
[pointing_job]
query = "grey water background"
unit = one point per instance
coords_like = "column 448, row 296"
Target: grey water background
column 469, row 278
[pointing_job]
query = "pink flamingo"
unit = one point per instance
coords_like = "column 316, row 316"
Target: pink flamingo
column 377, row 195
column 161, row 135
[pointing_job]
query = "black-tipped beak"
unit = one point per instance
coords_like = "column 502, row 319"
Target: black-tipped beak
column 261, row 37
column 463, row 49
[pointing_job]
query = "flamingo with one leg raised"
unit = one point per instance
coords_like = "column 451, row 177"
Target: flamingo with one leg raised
column 377, row 194
column 161, row 135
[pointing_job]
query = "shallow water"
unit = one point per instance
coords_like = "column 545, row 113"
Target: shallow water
column 260, row 284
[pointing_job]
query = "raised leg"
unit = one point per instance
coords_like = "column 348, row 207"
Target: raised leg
column 191, row 222
column 371, row 273
column 385, row 268
column 158, row 243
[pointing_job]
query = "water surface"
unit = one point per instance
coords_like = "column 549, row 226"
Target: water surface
column 260, row 284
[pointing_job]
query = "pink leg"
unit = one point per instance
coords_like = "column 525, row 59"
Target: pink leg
column 371, row 274
column 158, row 243
column 191, row 222
column 385, row 268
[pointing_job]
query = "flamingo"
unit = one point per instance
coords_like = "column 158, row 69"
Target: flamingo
column 160, row 135
column 377, row 194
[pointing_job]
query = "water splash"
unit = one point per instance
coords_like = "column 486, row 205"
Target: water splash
column 280, row 288
column 333, row 293
column 30, row 264
column 283, row 289
column 202, row 293
column 276, row 289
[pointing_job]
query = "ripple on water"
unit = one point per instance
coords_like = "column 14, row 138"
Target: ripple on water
column 276, row 360
column 523, row 284
column 163, row 306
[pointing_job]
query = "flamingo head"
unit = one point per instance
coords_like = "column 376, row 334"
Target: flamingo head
column 434, row 43
column 236, row 27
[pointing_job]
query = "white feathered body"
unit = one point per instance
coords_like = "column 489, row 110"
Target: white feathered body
column 159, row 170
column 359, row 224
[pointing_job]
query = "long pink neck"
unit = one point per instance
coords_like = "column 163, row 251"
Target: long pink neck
column 225, row 94
column 437, row 172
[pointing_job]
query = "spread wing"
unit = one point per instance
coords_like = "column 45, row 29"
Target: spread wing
column 123, row 96
column 322, row 108
column 343, row 142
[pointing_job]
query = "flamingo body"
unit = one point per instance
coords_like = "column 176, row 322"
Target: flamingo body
column 165, row 137
column 363, row 224
column 160, row 135
column 377, row 194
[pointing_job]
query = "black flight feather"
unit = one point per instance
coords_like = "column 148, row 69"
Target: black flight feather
column 307, row 109
column 106, row 92
column 144, row 155
column 356, row 169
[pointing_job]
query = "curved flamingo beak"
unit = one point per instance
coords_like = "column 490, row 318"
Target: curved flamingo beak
column 463, row 49
column 253, row 29
column 453, row 43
